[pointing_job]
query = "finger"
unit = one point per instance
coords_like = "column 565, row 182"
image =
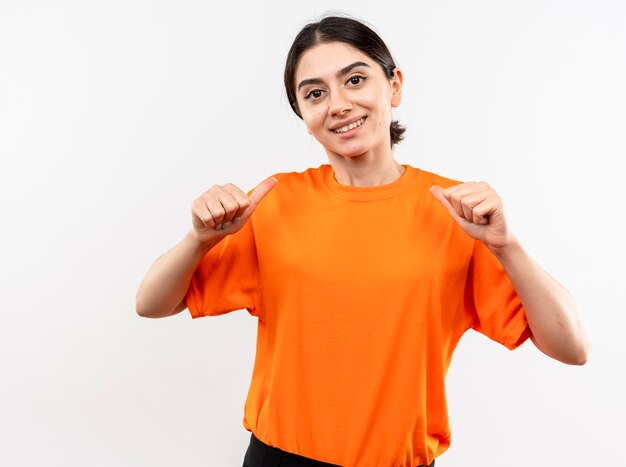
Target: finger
column 486, row 203
column 469, row 203
column 240, row 197
column 261, row 190
column 439, row 194
column 455, row 194
column 484, row 210
column 200, row 212
column 467, row 195
column 215, row 208
column 230, row 205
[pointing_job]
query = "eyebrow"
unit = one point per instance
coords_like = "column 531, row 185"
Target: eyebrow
column 344, row 71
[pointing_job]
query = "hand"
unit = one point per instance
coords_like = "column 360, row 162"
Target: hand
column 224, row 209
column 477, row 208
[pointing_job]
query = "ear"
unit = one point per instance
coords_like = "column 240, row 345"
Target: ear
column 396, row 87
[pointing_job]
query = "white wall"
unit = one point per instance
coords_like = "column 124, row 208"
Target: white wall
column 115, row 115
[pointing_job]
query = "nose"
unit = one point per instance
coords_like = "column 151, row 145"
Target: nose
column 338, row 103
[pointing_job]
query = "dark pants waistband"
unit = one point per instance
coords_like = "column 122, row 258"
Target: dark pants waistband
column 260, row 454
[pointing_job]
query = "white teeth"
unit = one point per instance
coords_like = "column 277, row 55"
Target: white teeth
column 343, row 129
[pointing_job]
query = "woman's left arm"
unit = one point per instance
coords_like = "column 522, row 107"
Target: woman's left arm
column 557, row 326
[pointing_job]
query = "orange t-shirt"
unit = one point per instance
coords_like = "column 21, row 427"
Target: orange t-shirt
column 361, row 295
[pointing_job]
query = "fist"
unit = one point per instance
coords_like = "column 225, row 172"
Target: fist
column 224, row 209
column 477, row 208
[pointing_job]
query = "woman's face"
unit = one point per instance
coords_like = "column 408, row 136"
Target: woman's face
column 345, row 99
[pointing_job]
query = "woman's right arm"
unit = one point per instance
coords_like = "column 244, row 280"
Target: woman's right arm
column 162, row 291
column 220, row 211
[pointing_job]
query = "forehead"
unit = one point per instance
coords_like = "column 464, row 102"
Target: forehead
column 326, row 59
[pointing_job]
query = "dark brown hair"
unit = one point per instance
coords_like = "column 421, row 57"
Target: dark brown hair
column 348, row 31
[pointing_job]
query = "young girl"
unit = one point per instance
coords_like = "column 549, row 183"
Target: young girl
column 363, row 274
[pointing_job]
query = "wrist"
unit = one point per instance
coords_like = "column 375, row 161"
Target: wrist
column 201, row 244
column 508, row 249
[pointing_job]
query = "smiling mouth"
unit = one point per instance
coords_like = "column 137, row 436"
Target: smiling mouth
column 349, row 127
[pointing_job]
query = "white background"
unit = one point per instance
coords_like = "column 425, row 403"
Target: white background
column 115, row 115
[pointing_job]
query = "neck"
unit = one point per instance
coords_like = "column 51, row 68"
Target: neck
column 366, row 169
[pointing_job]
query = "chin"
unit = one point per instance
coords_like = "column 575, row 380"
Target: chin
column 351, row 152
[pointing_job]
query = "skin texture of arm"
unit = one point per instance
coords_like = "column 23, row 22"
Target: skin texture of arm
column 557, row 325
column 162, row 291
column 220, row 211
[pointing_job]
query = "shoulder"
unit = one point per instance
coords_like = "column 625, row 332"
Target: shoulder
column 292, row 191
column 439, row 180
column 300, row 183
column 304, row 177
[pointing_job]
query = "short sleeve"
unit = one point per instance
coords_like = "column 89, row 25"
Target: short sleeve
column 227, row 277
column 493, row 305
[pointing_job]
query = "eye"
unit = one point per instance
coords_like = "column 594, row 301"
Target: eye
column 313, row 94
column 356, row 80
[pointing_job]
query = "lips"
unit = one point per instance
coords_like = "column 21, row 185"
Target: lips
column 347, row 126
